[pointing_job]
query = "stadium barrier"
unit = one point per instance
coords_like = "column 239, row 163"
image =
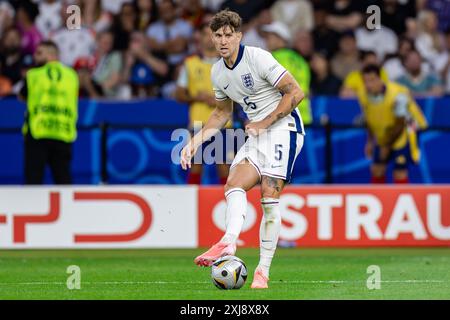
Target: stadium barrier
column 334, row 154
column 113, row 145
column 191, row 216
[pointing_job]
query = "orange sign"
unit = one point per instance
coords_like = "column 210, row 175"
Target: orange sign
column 340, row 216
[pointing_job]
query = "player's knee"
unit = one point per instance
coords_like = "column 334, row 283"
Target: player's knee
column 270, row 191
column 232, row 183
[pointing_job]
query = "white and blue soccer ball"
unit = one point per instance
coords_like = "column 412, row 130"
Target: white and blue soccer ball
column 228, row 272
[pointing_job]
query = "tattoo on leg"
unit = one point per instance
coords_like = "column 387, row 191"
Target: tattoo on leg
column 273, row 183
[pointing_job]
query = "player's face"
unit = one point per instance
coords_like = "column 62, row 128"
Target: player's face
column 373, row 83
column 226, row 41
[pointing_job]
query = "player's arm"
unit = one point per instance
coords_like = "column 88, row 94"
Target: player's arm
column 370, row 144
column 218, row 119
column 401, row 112
column 394, row 132
column 292, row 96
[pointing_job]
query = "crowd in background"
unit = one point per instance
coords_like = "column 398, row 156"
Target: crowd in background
column 134, row 48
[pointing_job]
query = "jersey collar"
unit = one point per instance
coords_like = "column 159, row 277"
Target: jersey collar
column 238, row 59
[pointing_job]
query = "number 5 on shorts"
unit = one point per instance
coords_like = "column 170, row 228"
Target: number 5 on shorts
column 278, row 152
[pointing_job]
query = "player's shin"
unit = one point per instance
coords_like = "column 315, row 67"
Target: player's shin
column 269, row 232
column 235, row 214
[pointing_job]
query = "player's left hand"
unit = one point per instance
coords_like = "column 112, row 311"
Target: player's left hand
column 255, row 128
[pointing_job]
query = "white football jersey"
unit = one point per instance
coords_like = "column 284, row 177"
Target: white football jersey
column 251, row 82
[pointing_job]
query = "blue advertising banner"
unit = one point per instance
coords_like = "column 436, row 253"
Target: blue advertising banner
column 143, row 155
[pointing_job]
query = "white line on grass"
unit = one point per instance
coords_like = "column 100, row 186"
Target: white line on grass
column 40, row 283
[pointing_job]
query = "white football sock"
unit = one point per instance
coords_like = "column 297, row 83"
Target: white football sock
column 268, row 233
column 235, row 214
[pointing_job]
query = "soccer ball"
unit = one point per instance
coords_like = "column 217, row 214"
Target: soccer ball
column 229, row 272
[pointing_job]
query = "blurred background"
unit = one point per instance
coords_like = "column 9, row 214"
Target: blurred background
column 129, row 56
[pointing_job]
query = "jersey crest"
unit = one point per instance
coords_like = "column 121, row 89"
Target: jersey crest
column 247, row 80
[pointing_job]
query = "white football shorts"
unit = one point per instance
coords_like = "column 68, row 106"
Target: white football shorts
column 272, row 153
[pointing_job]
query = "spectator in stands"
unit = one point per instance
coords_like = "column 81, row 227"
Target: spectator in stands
column 296, row 14
column 50, row 125
column 49, row 18
column 145, row 70
column 73, row 44
column 114, row 6
column 323, row 82
column 26, row 15
column 353, row 84
column 446, row 71
column 254, row 34
column 192, row 12
column 391, row 115
column 105, row 79
column 84, row 67
column 325, row 39
column 419, row 82
column 12, row 60
column 212, row 5
column 430, row 42
column 442, row 9
column 344, row 15
column 394, row 63
column 347, row 59
column 397, row 15
column 278, row 38
column 170, row 36
column 247, row 9
column 303, row 44
column 125, row 23
column 94, row 16
column 383, row 41
column 146, row 13
column 5, row 84
column 194, row 87
column 6, row 16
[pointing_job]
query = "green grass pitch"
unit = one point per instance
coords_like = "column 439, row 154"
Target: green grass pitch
column 171, row 274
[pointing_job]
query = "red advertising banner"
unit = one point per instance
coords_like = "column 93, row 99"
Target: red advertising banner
column 98, row 217
column 336, row 216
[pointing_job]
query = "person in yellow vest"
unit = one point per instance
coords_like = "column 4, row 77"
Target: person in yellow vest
column 51, row 94
column 195, row 88
column 278, row 39
column 353, row 85
column 392, row 118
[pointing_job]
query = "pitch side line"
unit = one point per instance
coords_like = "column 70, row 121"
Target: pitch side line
column 203, row 282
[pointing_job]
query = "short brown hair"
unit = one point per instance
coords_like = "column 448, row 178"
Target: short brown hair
column 226, row 18
column 51, row 45
column 372, row 68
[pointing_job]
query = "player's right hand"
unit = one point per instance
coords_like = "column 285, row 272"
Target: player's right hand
column 186, row 156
